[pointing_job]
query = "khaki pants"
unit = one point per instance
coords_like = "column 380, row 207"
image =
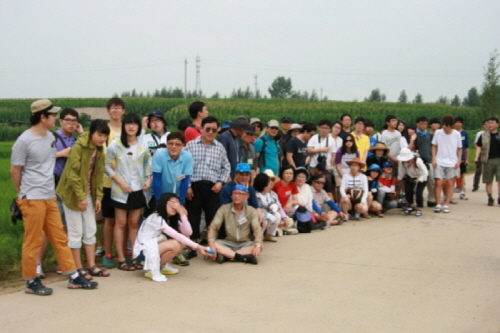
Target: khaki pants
column 38, row 216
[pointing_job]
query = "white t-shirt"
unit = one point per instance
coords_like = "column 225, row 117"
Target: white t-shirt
column 321, row 143
column 392, row 140
column 447, row 145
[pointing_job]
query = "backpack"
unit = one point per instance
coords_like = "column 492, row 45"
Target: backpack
column 261, row 161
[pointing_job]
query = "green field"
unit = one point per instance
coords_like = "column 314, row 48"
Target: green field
column 265, row 109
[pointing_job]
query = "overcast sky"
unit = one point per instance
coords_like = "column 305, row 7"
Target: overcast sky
column 346, row 48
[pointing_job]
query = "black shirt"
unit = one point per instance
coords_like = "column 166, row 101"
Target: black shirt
column 494, row 145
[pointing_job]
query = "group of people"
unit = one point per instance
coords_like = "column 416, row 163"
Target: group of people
column 165, row 197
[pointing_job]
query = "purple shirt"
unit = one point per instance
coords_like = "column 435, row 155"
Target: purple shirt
column 70, row 142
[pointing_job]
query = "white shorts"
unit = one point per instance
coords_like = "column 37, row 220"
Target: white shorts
column 446, row 172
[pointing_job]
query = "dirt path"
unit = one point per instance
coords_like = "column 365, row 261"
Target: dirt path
column 437, row 273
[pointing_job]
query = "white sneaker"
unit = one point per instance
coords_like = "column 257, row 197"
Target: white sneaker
column 437, row 209
column 159, row 278
column 39, row 271
column 446, row 209
column 169, row 270
column 463, row 196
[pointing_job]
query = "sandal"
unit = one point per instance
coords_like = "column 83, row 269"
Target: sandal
column 107, row 261
column 96, row 271
column 84, row 273
column 122, row 265
column 137, row 265
column 380, row 213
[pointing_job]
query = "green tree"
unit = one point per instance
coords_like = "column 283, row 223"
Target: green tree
column 443, row 100
column 281, row 87
column 418, row 99
column 216, row 95
column 375, row 96
column 490, row 98
column 473, row 99
column 455, row 101
column 403, row 98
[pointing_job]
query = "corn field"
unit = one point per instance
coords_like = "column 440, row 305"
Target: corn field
column 264, row 109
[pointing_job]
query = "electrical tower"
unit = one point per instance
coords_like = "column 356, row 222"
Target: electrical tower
column 255, row 85
column 198, row 80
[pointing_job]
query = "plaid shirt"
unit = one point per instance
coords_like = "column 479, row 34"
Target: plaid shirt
column 210, row 162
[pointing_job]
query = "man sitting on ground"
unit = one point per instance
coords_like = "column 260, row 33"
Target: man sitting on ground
column 241, row 224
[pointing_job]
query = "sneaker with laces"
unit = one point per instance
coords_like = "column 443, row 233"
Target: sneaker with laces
column 453, row 201
column 418, row 213
column 99, row 252
column 409, row 210
column 191, row 254
column 291, row 231
column 491, row 202
column 181, row 260
column 446, row 209
column 437, row 209
column 169, row 270
column 39, row 271
column 159, row 278
column 36, row 287
column 463, row 196
column 81, row 283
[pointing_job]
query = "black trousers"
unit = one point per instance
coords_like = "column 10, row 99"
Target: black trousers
column 203, row 198
column 410, row 192
column 477, row 175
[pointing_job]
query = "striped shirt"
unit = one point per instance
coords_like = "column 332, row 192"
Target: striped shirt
column 210, row 161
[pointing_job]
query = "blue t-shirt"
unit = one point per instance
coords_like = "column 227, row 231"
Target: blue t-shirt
column 271, row 153
column 172, row 171
column 465, row 143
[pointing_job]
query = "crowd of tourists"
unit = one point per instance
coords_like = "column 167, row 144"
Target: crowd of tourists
column 222, row 190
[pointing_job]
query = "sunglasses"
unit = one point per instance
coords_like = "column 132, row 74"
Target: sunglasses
column 210, row 129
column 274, row 128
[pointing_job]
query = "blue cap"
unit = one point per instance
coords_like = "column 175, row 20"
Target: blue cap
column 387, row 165
column 226, row 125
column 243, row 167
column 240, row 187
column 374, row 167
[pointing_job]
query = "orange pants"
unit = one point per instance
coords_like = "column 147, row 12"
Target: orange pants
column 38, row 216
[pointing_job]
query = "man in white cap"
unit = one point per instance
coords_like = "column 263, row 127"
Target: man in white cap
column 32, row 166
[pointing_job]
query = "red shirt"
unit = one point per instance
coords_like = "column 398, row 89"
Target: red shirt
column 192, row 133
column 390, row 183
column 285, row 192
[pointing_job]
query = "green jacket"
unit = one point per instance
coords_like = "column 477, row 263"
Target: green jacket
column 72, row 187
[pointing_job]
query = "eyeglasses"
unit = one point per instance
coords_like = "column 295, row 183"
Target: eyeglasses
column 70, row 121
column 320, row 183
column 174, row 144
column 156, row 121
column 210, row 129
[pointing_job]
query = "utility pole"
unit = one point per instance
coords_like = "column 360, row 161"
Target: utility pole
column 185, row 77
column 255, row 85
column 321, row 94
column 198, row 80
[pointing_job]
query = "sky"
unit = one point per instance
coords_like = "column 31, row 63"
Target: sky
column 342, row 49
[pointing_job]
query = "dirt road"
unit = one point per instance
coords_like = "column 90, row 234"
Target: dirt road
column 436, row 273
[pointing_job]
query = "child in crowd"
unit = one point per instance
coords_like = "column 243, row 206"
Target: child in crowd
column 413, row 170
column 354, row 189
column 387, row 187
column 130, row 186
column 374, row 172
column 170, row 219
column 80, row 190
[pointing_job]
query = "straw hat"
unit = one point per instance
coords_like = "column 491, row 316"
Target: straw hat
column 380, row 146
column 357, row 161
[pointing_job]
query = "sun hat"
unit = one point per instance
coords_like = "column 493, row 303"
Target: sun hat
column 271, row 174
column 387, row 165
column 243, row 167
column 157, row 114
column 357, row 161
column 44, row 105
column 380, row 146
column 295, row 127
column 405, row 155
column 241, row 124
